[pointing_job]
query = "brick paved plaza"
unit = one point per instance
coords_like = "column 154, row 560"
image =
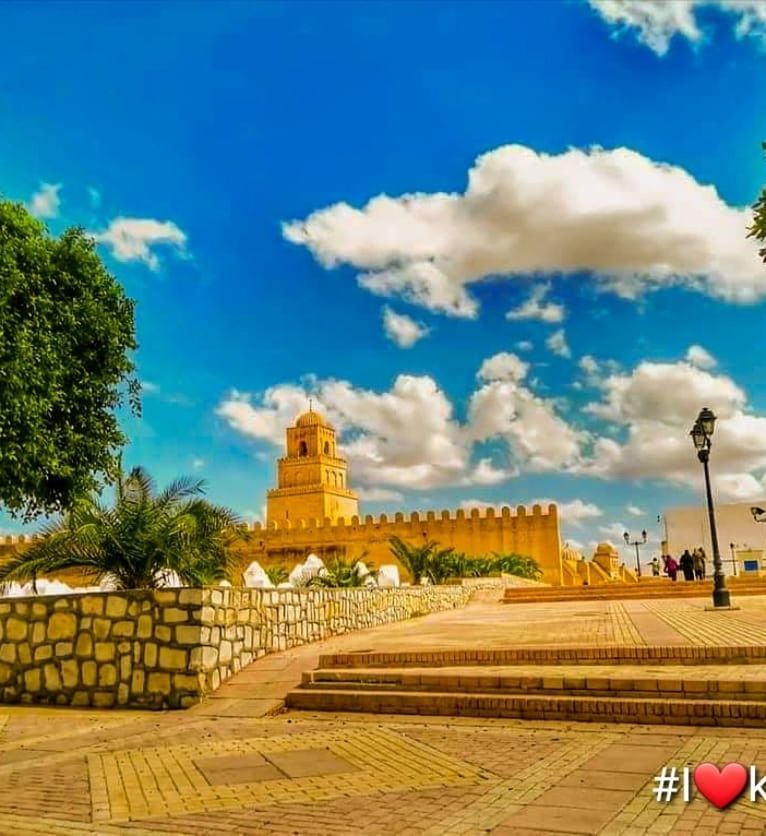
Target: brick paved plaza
column 233, row 765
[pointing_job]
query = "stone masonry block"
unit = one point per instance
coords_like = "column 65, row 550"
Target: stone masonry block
column 173, row 658
column 116, row 606
column 159, row 683
column 92, row 605
column 16, row 629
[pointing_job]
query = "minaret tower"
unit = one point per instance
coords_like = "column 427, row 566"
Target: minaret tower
column 312, row 480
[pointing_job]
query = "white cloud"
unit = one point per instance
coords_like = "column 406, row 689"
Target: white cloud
column 588, row 364
column 538, row 438
column 655, row 406
column 633, row 223
column 503, row 366
column 485, row 473
column 635, row 510
column 574, row 544
column 45, row 202
column 656, row 22
column 572, row 513
column 525, row 345
column 379, row 495
column 408, row 437
column 699, row 357
column 150, row 388
column 536, row 308
column 135, row 239
column 614, row 533
column 402, row 329
column 557, row 343
column 198, row 464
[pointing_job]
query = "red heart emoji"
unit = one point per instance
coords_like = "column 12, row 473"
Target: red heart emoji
column 720, row 787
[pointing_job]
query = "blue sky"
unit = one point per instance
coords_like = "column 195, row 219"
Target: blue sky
column 225, row 156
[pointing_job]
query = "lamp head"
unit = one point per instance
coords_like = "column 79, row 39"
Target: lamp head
column 699, row 436
column 706, row 419
column 643, row 534
column 626, row 537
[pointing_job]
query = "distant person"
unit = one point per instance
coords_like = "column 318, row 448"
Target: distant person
column 655, row 564
column 704, row 562
column 671, row 567
column 699, row 564
column 687, row 565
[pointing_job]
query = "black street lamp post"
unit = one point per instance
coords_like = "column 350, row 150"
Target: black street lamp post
column 636, row 543
column 702, row 434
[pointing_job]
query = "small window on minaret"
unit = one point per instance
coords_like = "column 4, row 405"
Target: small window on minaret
column 327, row 448
column 303, row 449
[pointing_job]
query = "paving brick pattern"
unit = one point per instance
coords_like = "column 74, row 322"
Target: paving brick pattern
column 229, row 767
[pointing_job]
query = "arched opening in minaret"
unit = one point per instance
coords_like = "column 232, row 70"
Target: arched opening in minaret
column 327, row 448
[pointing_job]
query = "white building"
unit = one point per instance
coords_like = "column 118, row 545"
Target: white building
column 739, row 535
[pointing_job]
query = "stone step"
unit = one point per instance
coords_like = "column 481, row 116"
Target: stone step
column 656, row 710
column 731, row 682
column 603, row 655
column 620, row 592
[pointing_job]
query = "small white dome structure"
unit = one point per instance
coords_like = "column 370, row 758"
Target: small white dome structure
column 256, row 578
column 388, row 576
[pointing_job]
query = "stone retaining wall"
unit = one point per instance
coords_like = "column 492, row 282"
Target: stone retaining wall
column 167, row 648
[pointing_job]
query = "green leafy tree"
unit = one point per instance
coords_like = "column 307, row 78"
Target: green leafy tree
column 66, row 333
column 342, row 573
column 137, row 541
column 758, row 229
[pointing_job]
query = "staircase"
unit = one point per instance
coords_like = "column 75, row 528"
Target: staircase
column 722, row 686
column 645, row 588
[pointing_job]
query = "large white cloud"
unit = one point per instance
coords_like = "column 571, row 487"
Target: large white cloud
column 656, row 22
column 503, row 366
column 630, row 221
column 135, row 239
column 655, row 406
column 409, row 437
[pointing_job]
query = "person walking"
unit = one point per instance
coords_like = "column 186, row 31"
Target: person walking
column 699, row 564
column 671, row 567
column 655, row 564
column 687, row 565
column 703, row 559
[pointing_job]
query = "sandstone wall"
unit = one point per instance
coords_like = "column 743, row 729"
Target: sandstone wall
column 532, row 533
column 167, row 648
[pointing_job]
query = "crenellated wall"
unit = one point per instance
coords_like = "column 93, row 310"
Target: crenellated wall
column 532, row 533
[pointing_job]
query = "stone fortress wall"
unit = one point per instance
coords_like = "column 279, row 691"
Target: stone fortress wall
column 168, row 648
column 532, row 533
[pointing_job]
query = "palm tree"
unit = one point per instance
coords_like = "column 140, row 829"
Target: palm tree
column 276, row 574
column 421, row 562
column 341, row 573
column 516, row 564
column 139, row 540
